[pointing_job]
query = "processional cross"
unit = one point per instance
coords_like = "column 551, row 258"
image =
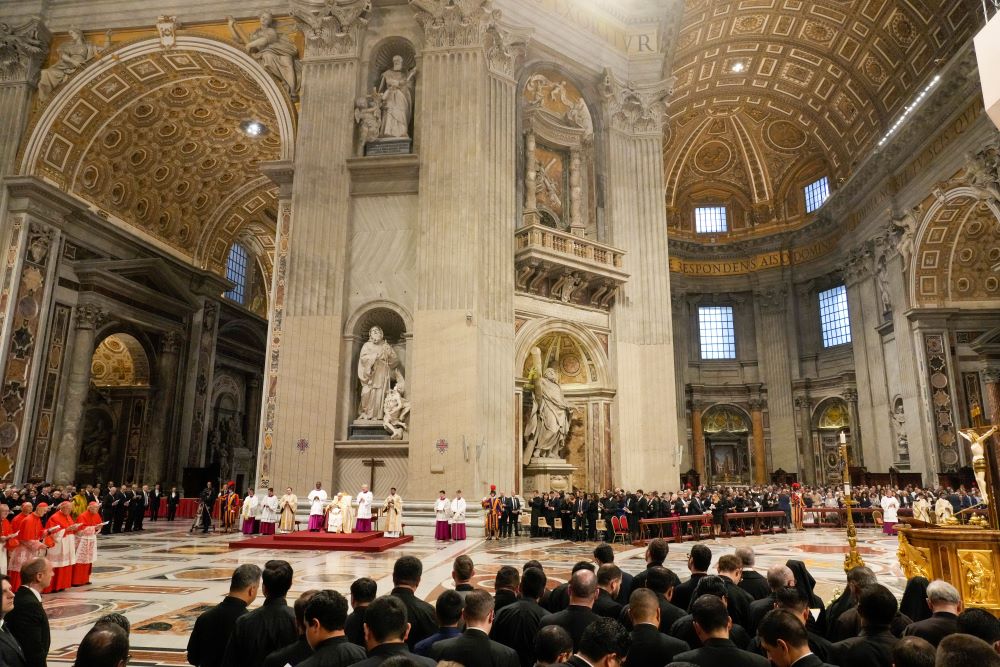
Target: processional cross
column 373, row 463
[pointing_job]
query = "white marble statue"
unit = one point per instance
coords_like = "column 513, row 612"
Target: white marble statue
column 548, row 424
column 375, row 366
column 273, row 50
column 898, row 416
column 396, row 410
column 368, row 116
column 396, row 89
column 977, row 447
column 73, row 56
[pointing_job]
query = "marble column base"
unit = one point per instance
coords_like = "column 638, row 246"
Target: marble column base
column 548, row 475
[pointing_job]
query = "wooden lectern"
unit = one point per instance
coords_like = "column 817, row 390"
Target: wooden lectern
column 965, row 555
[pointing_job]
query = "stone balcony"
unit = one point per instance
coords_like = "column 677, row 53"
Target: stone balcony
column 572, row 269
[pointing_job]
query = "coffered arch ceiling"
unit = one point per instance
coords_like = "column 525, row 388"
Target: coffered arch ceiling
column 787, row 86
column 154, row 139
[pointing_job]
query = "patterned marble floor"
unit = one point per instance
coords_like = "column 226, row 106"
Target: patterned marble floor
column 164, row 577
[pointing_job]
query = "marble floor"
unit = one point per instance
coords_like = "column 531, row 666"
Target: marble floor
column 163, row 577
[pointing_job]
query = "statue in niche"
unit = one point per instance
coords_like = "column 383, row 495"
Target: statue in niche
column 396, row 409
column 368, row 116
column 549, row 421
column 273, row 50
column 882, row 282
column 396, row 91
column 73, row 56
column 898, row 417
column 375, row 366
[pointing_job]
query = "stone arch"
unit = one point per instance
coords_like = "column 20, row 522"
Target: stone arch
column 168, row 119
column 138, row 342
column 727, row 430
column 590, row 345
column 832, row 413
column 120, row 361
column 956, row 245
column 358, row 323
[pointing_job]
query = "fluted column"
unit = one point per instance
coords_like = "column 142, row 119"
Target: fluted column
column 88, row 318
column 759, row 448
column 163, row 404
column 646, row 427
column 304, row 346
column 776, row 372
column 698, row 440
column 806, row 454
column 25, row 48
column 850, row 395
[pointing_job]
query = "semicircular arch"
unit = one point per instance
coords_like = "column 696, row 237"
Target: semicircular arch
column 586, row 341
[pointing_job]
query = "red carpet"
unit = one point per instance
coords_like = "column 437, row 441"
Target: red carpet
column 303, row 540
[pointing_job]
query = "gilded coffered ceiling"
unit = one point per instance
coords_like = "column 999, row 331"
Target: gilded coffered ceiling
column 771, row 92
column 156, row 141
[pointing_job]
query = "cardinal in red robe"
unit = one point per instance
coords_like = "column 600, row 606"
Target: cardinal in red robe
column 86, row 544
column 63, row 555
column 30, row 536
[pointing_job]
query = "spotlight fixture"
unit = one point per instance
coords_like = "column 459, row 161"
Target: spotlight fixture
column 253, row 128
column 738, row 67
column 909, row 109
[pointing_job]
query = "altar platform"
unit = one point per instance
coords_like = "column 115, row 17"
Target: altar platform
column 303, row 540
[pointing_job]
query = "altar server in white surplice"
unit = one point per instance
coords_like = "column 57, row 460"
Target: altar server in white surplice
column 458, row 516
column 317, row 507
column 365, row 500
column 442, row 511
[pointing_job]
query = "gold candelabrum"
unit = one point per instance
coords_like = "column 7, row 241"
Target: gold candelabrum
column 852, row 559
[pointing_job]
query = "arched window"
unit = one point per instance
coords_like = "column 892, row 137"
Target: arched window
column 237, row 271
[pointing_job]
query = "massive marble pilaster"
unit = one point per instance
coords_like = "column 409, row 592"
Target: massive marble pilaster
column 759, row 453
column 774, row 345
column 24, row 49
column 162, row 407
column 462, row 365
column 646, row 427
column 88, row 318
column 200, row 375
column 807, row 452
column 698, row 442
column 304, row 346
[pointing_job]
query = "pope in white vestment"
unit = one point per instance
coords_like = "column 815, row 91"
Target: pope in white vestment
column 365, row 500
column 317, row 506
column 346, row 512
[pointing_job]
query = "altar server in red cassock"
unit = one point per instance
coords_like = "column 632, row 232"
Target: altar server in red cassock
column 86, row 544
column 63, row 554
column 28, row 526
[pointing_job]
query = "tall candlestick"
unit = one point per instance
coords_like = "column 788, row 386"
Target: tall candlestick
column 852, row 559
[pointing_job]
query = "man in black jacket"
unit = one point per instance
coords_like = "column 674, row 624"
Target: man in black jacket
column 11, row 653
column 363, row 592
column 505, row 587
column 207, row 643
column 385, row 632
column 517, row 624
column 779, row 577
column 656, row 554
column 324, row 615
column 731, row 569
column 698, row 561
column 877, row 607
column 268, row 628
column 579, row 614
column 609, row 581
column 108, row 509
column 784, row 638
column 712, row 623
column 128, row 514
column 558, row 598
column 139, row 505
column 27, row 622
column 300, row 649
column 650, row 647
column 207, row 497
column 474, row 648
column 604, row 555
column 406, row 575
column 537, row 503
column 155, row 498
column 790, row 599
column 751, row 581
column 603, row 644
column 173, row 500
column 946, row 604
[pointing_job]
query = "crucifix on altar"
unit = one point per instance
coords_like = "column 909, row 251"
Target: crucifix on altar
column 373, row 463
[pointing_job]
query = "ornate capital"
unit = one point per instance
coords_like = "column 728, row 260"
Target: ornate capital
column 858, row 264
column 850, row 395
column 331, row 27
column 22, row 50
column 756, row 404
column 171, row 342
column 636, row 108
column 449, row 24
column 772, row 299
column 503, row 48
column 991, row 374
column 89, row 316
column 803, row 403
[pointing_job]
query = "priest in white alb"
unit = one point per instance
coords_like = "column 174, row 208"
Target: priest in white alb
column 317, row 507
column 458, row 516
column 392, row 508
column 442, row 510
column 269, row 513
column 249, row 512
column 365, row 500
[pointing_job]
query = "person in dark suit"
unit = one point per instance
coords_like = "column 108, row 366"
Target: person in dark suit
column 474, row 648
column 27, row 622
column 406, row 575
column 579, row 614
column 698, row 561
column 914, row 652
column 581, row 506
column 738, row 600
column 946, row 604
column 325, row 615
column 104, row 645
column 877, row 607
column 603, row 644
column 650, row 647
column 517, row 624
column 462, row 572
column 173, row 500
column 784, row 639
column 108, row 509
column 558, row 597
column 604, row 554
column 363, row 592
column 207, row 643
column 752, row 581
column 661, row 581
column 119, row 510
column 712, row 623
column 517, row 506
column 139, row 504
column 609, row 581
column 11, row 653
column 385, row 629
column 790, row 599
column 207, row 497
column 566, row 512
column 778, row 578
column 982, row 624
column 537, row 504
column 506, row 514
column 656, row 554
column 553, row 646
column 155, row 498
column 268, row 628
column 448, row 609
column 128, row 491
column 505, row 586
column 300, row 649
column 684, row 628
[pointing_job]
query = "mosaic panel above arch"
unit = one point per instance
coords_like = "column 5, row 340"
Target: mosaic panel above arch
column 724, row 419
column 957, row 260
